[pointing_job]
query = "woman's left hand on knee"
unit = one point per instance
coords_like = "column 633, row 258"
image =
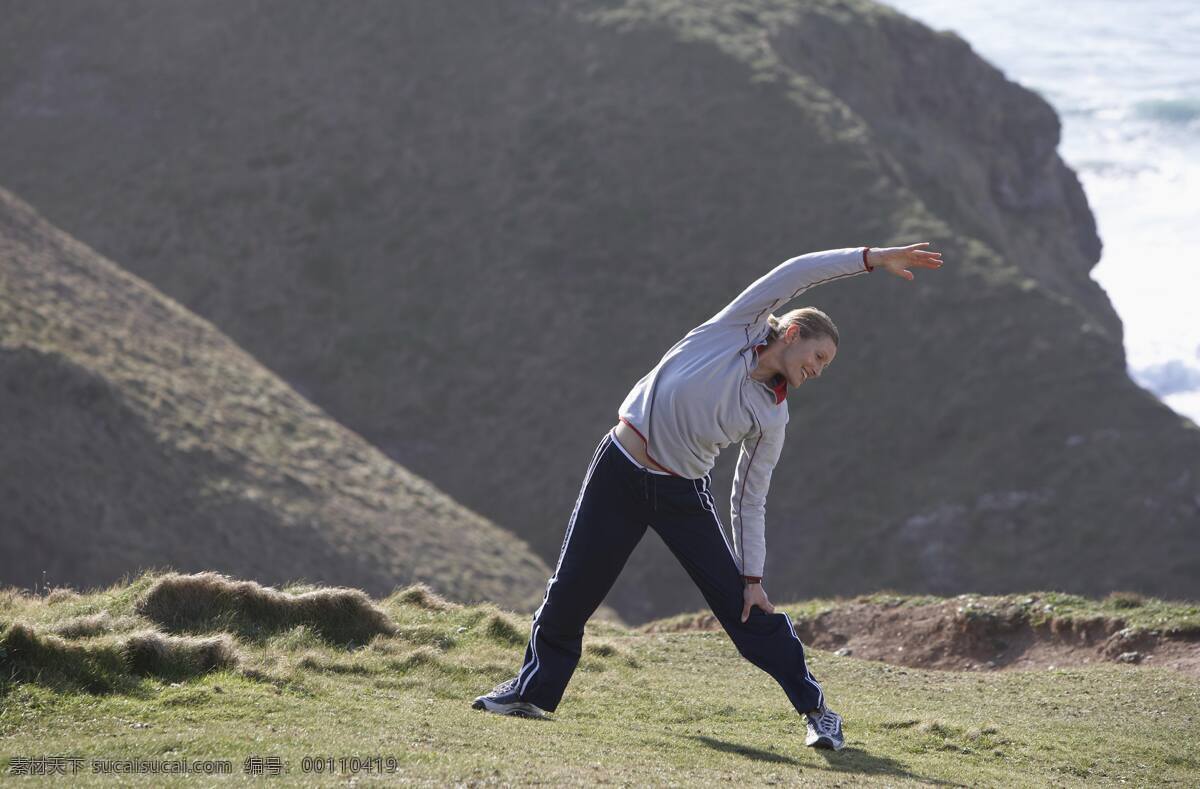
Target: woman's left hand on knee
column 755, row 595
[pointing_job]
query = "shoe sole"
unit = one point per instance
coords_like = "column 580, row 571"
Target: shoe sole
column 514, row 710
column 826, row 744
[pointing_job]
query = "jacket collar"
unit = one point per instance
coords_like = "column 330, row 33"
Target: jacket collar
column 778, row 384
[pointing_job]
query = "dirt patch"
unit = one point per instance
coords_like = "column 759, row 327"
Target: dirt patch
column 958, row 635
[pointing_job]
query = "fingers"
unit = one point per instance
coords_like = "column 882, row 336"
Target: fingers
column 770, row 609
column 746, row 611
column 919, row 252
column 899, row 259
column 914, row 257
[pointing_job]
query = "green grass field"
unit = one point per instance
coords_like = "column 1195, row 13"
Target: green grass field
column 664, row 708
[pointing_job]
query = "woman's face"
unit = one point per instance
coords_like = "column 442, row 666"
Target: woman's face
column 806, row 358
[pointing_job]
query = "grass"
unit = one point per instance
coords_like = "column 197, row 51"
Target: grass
column 643, row 708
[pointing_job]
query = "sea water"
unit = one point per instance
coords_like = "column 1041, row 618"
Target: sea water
column 1124, row 77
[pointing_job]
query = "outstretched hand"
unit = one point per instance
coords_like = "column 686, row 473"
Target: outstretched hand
column 753, row 595
column 898, row 260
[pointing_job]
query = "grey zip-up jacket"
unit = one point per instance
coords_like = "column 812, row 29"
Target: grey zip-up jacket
column 700, row 397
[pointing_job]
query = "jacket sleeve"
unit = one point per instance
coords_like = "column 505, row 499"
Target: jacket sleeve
column 788, row 280
column 748, row 503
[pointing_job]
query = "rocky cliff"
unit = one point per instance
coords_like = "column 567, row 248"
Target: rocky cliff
column 465, row 231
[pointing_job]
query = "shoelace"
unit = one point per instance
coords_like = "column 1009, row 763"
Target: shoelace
column 826, row 723
column 504, row 687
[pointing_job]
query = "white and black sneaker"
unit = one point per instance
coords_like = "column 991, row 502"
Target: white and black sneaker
column 825, row 730
column 504, row 700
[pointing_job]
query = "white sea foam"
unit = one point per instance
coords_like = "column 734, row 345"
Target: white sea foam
column 1125, row 78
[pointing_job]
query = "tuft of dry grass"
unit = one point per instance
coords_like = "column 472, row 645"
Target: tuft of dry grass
column 85, row 626
column 153, row 653
column 61, row 594
column 1125, row 600
column 109, row 665
column 31, row 656
column 422, row 596
column 211, row 601
column 502, row 629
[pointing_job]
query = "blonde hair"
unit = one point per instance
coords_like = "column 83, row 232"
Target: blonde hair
column 812, row 323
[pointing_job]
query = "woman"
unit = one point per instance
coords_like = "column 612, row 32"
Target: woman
column 725, row 382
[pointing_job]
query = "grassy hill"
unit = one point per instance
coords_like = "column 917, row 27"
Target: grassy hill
column 233, row 680
column 466, row 232
column 134, row 434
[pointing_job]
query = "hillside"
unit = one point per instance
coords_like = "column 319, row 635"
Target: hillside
column 661, row 708
column 134, row 434
column 465, row 233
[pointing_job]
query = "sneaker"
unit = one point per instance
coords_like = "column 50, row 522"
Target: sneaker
column 825, row 730
column 504, row 700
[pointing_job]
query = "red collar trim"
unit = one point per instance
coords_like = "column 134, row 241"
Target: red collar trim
column 778, row 384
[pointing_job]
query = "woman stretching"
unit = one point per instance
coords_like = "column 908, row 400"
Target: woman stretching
column 725, row 382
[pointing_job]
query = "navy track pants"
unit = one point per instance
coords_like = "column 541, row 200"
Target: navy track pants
column 617, row 501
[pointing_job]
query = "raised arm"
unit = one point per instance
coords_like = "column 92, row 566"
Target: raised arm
column 792, row 277
column 788, row 280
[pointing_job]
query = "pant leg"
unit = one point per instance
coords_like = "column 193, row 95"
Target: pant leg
column 606, row 525
column 687, row 522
